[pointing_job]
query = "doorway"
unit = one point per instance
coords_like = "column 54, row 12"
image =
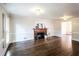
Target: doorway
column 66, row 27
column 5, row 30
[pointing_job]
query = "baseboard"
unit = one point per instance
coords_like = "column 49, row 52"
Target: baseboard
column 4, row 52
column 13, row 41
column 75, row 40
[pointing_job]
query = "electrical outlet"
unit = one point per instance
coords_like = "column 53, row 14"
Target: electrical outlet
column 25, row 38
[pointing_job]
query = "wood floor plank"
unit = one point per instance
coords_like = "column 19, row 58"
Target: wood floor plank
column 52, row 46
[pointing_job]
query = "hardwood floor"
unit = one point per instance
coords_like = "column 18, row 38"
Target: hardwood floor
column 52, row 46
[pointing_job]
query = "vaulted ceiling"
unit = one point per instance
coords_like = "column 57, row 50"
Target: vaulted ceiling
column 51, row 10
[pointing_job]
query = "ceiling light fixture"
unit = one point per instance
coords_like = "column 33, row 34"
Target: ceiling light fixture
column 37, row 10
column 66, row 17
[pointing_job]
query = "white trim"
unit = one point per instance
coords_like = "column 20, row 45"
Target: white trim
column 75, row 40
column 75, row 33
column 4, row 51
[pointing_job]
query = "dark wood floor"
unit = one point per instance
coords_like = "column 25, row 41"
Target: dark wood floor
column 53, row 46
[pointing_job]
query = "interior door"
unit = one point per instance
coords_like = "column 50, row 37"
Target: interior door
column 66, row 27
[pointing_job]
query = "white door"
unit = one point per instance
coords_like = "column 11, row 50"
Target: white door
column 66, row 27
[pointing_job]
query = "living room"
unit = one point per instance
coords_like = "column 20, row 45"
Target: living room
column 56, row 23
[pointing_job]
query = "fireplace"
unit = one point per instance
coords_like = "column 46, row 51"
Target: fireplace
column 40, row 33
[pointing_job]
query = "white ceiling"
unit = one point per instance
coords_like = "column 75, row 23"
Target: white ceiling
column 52, row 10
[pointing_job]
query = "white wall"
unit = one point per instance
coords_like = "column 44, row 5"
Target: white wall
column 75, row 29
column 57, row 27
column 22, row 27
